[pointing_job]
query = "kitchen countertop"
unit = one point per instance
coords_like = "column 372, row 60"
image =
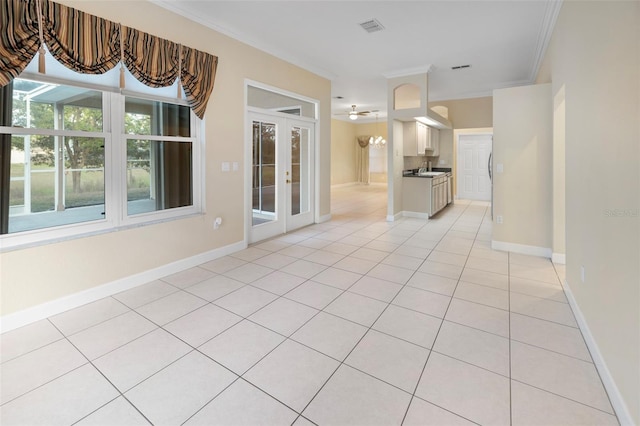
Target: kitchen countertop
column 414, row 172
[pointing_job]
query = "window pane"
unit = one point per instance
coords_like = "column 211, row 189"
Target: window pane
column 35, row 105
column 144, row 117
column 48, row 190
column 84, row 172
column 159, row 175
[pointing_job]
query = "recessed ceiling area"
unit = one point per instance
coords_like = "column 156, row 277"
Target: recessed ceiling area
column 504, row 42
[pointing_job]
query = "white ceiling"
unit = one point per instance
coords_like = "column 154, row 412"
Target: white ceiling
column 503, row 41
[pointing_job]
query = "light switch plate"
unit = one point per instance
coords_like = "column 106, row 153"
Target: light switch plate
column 226, row 166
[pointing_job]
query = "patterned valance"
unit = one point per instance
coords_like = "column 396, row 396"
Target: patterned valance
column 91, row 45
column 18, row 38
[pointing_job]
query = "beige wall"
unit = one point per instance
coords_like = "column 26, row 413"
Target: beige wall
column 463, row 114
column 36, row 275
column 469, row 113
column 343, row 152
column 593, row 62
column 522, row 142
column 377, row 157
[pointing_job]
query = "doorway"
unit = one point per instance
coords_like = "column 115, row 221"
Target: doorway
column 473, row 168
column 282, row 174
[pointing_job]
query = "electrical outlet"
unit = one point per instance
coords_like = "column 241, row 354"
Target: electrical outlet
column 582, row 273
column 217, row 222
column 499, row 219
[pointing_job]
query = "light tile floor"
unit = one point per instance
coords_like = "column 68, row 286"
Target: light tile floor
column 356, row 321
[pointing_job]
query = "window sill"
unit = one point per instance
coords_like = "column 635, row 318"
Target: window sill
column 14, row 242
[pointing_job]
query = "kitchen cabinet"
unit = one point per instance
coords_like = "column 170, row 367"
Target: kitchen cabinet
column 438, row 194
column 424, row 197
column 415, row 138
column 434, row 138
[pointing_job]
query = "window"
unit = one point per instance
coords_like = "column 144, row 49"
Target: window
column 83, row 159
column 158, row 168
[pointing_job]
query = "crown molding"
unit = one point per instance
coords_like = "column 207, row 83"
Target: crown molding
column 479, row 93
column 408, row 71
column 551, row 13
column 174, row 6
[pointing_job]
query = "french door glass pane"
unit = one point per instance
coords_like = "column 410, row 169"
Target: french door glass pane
column 264, row 172
column 299, row 170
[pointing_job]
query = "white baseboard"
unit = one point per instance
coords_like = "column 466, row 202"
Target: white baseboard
column 617, row 401
column 325, row 218
column 416, row 215
column 559, row 258
column 521, row 249
column 27, row 316
column 394, row 217
column 341, row 185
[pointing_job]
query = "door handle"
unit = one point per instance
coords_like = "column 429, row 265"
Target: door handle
column 489, row 167
column 288, row 180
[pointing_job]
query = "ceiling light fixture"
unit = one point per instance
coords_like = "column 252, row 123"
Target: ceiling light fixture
column 377, row 141
column 353, row 115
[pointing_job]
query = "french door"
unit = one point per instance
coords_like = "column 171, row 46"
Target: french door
column 282, row 175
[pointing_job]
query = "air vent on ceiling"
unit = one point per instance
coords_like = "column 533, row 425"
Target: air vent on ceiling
column 372, row 25
column 459, row 67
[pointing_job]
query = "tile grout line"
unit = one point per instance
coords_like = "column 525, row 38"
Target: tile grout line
column 459, row 217
column 363, row 336
column 120, row 394
column 612, row 413
column 424, row 367
column 510, row 341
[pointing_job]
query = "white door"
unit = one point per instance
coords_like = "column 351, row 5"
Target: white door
column 282, row 185
column 473, row 167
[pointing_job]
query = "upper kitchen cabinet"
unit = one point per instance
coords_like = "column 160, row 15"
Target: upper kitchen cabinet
column 434, row 140
column 415, row 138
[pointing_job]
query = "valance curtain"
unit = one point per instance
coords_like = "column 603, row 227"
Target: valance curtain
column 362, row 159
column 91, row 45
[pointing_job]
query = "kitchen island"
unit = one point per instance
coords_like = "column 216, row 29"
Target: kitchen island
column 424, row 194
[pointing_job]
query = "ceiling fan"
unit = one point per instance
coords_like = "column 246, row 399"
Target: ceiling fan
column 353, row 114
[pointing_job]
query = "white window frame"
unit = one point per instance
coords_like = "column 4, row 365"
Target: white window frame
column 115, row 158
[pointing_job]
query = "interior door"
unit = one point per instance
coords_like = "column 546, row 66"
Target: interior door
column 473, row 158
column 282, row 184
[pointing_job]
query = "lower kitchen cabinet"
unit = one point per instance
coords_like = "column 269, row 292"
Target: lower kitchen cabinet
column 424, row 195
